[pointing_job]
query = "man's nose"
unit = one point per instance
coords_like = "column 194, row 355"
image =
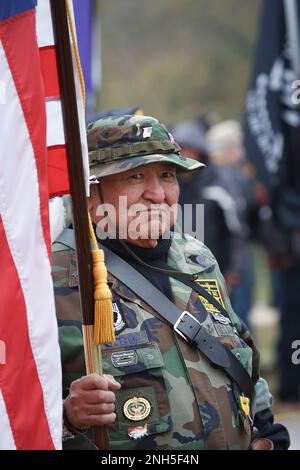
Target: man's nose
column 154, row 191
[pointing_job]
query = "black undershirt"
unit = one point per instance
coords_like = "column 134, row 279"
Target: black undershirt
column 150, row 256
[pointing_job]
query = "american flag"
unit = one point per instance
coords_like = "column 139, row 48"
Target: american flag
column 56, row 150
column 31, row 128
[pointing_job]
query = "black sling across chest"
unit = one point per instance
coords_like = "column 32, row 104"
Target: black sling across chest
column 183, row 323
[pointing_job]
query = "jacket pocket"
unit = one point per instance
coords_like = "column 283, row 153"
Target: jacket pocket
column 142, row 404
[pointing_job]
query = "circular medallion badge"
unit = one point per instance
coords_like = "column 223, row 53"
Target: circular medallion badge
column 137, row 408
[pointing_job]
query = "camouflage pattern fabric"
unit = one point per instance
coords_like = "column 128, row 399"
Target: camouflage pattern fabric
column 171, row 397
column 118, row 144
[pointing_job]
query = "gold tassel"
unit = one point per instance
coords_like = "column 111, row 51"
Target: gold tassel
column 104, row 318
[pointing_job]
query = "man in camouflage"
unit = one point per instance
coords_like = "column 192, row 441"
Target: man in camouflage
column 171, row 397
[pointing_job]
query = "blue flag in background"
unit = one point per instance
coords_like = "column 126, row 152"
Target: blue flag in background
column 83, row 16
column 89, row 43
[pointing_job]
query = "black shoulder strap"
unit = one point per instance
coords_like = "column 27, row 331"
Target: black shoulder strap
column 190, row 280
column 183, row 323
column 66, row 238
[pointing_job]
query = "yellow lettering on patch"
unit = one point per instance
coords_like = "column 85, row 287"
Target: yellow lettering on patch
column 211, row 286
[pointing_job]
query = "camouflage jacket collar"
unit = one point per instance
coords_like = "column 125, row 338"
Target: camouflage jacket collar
column 183, row 255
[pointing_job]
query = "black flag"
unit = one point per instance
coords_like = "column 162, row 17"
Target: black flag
column 272, row 127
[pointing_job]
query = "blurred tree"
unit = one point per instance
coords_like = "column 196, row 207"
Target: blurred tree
column 177, row 58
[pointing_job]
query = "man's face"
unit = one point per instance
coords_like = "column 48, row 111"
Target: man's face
column 150, row 190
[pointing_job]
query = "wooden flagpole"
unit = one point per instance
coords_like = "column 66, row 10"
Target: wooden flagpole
column 77, row 189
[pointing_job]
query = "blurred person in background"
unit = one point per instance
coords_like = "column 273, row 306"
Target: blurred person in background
column 282, row 246
column 226, row 147
column 225, row 229
column 287, row 289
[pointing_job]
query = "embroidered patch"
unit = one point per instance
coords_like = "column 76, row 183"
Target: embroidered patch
column 211, row 286
column 138, row 432
column 224, row 330
column 221, row 318
column 137, row 408
column 147, row 132
column 124, row 358
column 130, row 339
column 119, row 324
column 197, row 259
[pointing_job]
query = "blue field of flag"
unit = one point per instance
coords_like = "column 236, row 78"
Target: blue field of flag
column 10, row 8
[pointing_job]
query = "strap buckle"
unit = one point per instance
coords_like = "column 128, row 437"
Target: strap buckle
column 180, row 320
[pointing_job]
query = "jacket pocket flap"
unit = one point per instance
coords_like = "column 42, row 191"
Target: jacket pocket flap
column 131, row 360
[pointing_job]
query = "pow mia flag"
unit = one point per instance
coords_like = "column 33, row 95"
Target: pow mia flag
column 272, row 127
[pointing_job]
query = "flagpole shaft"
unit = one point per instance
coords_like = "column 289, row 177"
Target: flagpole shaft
column 93, row 359
column 292, row 27
column 93, row 363
column 76, row 177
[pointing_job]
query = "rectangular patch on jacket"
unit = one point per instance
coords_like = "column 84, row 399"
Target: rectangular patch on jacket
column 224, row 330
column 130, row 339
column 124, row 358
column 119, row 323
column 212, row 288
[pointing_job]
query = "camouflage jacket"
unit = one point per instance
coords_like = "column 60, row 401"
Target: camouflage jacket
column 171, row 397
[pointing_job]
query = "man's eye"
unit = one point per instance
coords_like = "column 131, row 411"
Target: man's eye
column 136, row 177
column 169, row 174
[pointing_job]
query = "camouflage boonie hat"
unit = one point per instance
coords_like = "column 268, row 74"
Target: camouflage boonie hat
column 120, row 143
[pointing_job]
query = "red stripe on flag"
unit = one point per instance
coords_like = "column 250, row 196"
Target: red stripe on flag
column 58, row 171
column 26, row 59
column 20, row 383
column 49, row 71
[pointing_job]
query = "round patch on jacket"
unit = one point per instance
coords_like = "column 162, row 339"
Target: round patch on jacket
column 137, row 408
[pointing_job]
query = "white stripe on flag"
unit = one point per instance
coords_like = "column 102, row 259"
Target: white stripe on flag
column 82, row 127
column 44, row 29
column 81, row 111
column 26, row 242
column 6, row 438
column 55, row 126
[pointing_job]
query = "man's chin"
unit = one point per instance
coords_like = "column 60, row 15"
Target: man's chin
column 148, row 236
column 152, row 232
column 142, row 243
